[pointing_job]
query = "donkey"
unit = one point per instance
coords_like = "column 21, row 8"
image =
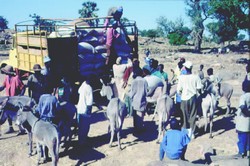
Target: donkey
column 8, row 107
column 116, row 113
column 207, row 105
column 46, row 133
column 221, row 90
column 164, row 108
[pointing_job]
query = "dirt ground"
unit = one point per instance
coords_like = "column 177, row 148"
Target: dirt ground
column 142, row 150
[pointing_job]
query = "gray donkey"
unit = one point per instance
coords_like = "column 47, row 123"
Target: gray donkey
column 116, row 112
column 8, row 109
column 164, row 108
column 46, row 133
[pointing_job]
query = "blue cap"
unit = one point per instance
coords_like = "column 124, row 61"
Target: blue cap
column 46, row 59
column 120, row 9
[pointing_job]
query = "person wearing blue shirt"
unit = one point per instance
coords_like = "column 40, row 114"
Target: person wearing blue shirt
column 48, row 106
column 174, row 143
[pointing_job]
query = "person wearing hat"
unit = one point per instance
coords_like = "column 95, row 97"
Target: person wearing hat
column 188, row 86
column 175, row 141
column 116, row 12
column 46, row 60
column 50, row 79
column 36, row 83
column 13, row 86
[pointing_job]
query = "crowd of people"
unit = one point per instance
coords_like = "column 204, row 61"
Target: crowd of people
column 132, row 86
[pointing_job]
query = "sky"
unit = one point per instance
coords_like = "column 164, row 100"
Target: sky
column 144, row 12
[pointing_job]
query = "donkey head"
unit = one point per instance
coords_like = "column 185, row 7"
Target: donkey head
column 20, row 117
column 106, row 90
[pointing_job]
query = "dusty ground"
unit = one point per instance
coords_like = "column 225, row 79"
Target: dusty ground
column 143, row 150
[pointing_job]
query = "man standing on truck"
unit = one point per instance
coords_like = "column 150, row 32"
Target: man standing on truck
column 116, row 12
column 13, row 86
column 112, row 34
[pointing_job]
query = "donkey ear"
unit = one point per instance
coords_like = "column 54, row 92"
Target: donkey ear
column 4, row 102
column 101, row 81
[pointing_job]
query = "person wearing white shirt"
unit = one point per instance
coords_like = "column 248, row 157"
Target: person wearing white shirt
column 84, row 108
column 188, row 86
column 119, row 70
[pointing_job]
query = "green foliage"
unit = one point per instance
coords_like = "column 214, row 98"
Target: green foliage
column 177, row 38
column 175, row 31
column 150, row 33
column 3, row 23
column 232, row 16
column 221, row 33
column 197, row 11
column 44, row 24
column 234, row 12
column 165, row 26
column 88, row 10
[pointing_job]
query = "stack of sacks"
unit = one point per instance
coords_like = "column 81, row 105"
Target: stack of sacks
column 121, row 46
column 91, row 52
column 63, row 32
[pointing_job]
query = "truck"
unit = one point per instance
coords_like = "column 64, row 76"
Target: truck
column 67, row 44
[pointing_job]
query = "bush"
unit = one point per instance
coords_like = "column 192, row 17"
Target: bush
column 177, row 38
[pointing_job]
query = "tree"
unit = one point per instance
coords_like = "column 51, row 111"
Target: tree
column 176, row 32
column 232, row 16
column 152, row 33
column 197, row 11
column 177, row 38
column 88, row 11
column 222, row 33
column 3, row 23
column 43, row 24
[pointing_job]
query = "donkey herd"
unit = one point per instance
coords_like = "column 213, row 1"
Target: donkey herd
column 46, row 134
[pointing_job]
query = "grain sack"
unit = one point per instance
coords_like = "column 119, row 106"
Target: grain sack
column 96, row 32
column 63, row 32
column 101, row 49
column 101, row 40
column 99, row 66
column 87, row 73
column 82, row 33
column 100, row 72
column 87, row 67
column 86, row 58
column 85, row 48
column 90, row 39
column 100, row 58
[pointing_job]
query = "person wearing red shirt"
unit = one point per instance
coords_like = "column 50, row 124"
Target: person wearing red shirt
column 13, row 86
